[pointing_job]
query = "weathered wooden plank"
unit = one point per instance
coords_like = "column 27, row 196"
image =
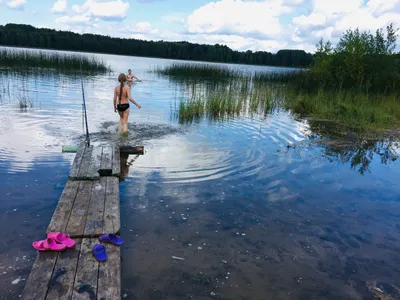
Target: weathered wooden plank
column 110, row 274
column 116, row 162
column 106, row 162
column 76, row 165
column 61, row 215
column 95, row 218
column 111, row 210
column 132, row 149
column 83, row 171
column 95, row 162
column 77, row 220
column 37, row 284
column 61, row 283
column 85, row 286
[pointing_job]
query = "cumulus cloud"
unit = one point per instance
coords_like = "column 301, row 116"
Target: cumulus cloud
column 139, row 28
column 257, row 25
column 74, row 20
column 59, row 6
column 329, row 19
column 244, row 18
column 106, row 11
column 14, row 4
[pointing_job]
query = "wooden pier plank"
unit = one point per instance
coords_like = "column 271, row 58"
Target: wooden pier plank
column 84, row 169
column 62, row 281
column 62, row 212
column 110, row 274
column 77, row 220
column 132, row 149
column 76, row 165
column 88, row 207
column 106, row 162
column 95, row 163
column 42, row 270
column 85, row 286
column 116, row 162
column 95, row 217
column 112, row 206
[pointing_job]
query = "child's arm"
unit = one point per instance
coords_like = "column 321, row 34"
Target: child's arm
column 115, row 100
column 133, row 100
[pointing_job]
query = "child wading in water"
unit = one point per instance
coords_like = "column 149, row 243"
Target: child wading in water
column 130, row 77
column 122, row 94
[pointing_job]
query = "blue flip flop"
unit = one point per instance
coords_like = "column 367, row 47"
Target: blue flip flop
column 99, row 251
column 111, row 238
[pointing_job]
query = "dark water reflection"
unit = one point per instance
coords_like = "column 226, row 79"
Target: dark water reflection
column 252, row 217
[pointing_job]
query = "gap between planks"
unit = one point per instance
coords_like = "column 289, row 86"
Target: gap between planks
column 75, row 274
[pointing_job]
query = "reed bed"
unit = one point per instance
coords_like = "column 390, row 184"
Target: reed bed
column 203, row 71
column 219, row 93
column 221, row 102
column 40, row 59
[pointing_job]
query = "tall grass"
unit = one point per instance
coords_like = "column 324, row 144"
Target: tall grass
column 357, row 90
column 203, row 71
column 51, row 60
column 349, row 108
column 224, row 101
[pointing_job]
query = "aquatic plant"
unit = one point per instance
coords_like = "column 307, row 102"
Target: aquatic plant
column 51, row 60
column 24, row 102
column 198, row 70
column 349, row 108
column 222, row 101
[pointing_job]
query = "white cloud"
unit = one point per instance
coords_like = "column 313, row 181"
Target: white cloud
column 227, row 17
column 379, row 7
column 74, row 20
column 314, row 19
column 15, row 4
column 337, row 7
column 267, row 25
column 329, row 19
column 59, row 6
column 107, row 11
column 293, row 2
column 139, row 28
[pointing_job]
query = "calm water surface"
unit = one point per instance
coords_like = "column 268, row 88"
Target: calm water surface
column 252, row 218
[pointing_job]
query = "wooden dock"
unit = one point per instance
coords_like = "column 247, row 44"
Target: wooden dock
column 88, row 207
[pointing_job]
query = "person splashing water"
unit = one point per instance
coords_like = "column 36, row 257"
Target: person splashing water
column 122, row 94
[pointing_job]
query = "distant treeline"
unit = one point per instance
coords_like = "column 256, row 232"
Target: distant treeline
column 29, row 36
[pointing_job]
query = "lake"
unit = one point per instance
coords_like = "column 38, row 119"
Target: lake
column 257, row 205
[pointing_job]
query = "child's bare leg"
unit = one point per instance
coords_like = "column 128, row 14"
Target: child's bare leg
column 125, row 121
column 121, row 121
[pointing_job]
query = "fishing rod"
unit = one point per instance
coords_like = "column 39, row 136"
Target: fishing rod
column 84, row 109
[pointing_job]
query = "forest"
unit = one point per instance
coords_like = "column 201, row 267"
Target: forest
column 28, row 36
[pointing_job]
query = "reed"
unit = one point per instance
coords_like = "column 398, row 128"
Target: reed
column 40, row 59
column 195, row 70
column 329, row 90
column 348, row 108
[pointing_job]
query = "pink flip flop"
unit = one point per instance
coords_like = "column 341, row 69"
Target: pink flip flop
column 51, row 244
column 39, row 246
column 62, row 238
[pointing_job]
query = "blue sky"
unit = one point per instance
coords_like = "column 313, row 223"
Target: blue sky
column 267, row 25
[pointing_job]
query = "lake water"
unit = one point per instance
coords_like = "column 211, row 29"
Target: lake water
column 252, row 217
